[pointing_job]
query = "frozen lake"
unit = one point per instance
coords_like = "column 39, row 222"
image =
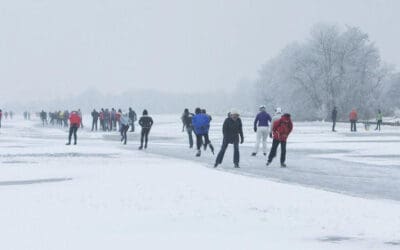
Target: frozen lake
column 104, row 195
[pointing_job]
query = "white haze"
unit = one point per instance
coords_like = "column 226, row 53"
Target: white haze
column 56, row 49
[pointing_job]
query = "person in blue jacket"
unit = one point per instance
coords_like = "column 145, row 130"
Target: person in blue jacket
column 201, row 126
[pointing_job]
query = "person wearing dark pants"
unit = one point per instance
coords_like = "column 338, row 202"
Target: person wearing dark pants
column 201, row 126
column 95, row 117
column 187, row 124
column 232, row 130
column 146, row 122
column 124, row 127
column 379, row 119
column 274, row 148
column 353, row 120
column 75, row 123
column 334, row 116
column 281, row 130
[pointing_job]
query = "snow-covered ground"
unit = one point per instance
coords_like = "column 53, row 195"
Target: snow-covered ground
column 104, row 195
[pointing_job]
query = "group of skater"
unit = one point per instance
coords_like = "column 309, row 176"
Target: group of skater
column 353, row 118
column 109, row 121
column 6, row 115
column 277, row 127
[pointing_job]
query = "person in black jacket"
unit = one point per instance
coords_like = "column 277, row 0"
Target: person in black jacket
column 146, row 122
column 334, row 116
column 187, row 123
column 95, row 116
column 232, row 129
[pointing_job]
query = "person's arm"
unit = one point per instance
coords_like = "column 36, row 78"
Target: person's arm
column 225, row 128
column 255, row 123
column 141, row 121
column 241, row 131
column 151, row 122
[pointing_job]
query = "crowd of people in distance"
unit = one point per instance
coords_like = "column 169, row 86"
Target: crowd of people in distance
column 353, row 118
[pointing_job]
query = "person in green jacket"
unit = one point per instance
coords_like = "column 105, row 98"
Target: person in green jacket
column 378, row 120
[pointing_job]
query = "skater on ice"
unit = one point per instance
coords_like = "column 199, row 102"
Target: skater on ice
column 187, row 124
column 261, row 128
column 75, row 123
column 379, row 119
column 146, row 122
column 353, row 120
column 201, row 126
column 281, row 129
column 232, row 134
column 334, row 117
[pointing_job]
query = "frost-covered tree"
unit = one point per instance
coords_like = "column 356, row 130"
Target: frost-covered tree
column 332, row 68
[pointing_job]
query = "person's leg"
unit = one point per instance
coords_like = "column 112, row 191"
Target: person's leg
column 283, row 152
column 199, row 141
column 272, row 153
column 221, row 153
column 75, row 136
column 142, row 138
column 146, row 139
column 189, row 131
column 71, row 131
column 355, row 126
column 208, row 142
column 258, row 140
column 236, row 154
column 264, row 139
column 126, row 128
column 333, row 125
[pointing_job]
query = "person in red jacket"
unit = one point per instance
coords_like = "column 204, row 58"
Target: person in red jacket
column 353, row 120
column 281, row 130
column 74, row 123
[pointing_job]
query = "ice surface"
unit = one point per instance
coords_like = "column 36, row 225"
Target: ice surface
column 104, row 195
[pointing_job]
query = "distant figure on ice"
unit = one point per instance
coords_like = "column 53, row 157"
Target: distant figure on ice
column 80, row 115
column 281, row 129
column 124, row 127
column 187, row 124
column 146, row 122
column 118, row 119
column 132, row 119
column 379, row 120
column 334, row 117
column 95, row 118
column 1, row 116
column 353, row 120
column 43, row 117
column 75, row 123
column 11, row 115
column 201, row 126
column 6, row 115
column 261, row 127
column 232, row 130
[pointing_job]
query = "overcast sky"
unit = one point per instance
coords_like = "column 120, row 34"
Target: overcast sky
column 51, row 48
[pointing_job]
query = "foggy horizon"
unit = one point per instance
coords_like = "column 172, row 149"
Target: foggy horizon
column 58, row 49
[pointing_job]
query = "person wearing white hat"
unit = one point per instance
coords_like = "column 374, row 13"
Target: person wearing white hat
column 232, row 130
column 261, row 127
